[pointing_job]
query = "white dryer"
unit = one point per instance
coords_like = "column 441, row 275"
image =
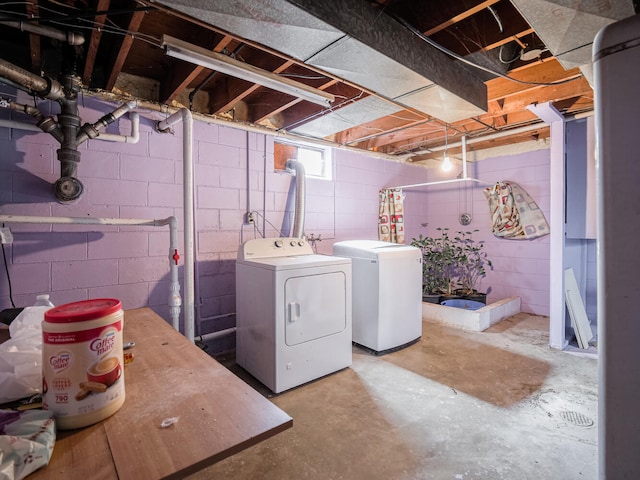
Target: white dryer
column 293, row 312
column 387, row 293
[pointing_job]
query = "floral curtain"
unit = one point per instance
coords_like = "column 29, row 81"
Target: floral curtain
column 391, row 216
column 514, row 214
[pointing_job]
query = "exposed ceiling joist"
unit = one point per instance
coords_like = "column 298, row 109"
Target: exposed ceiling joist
column 94, row 41
column 369, row 54
column 375, row 30
column 127, row 42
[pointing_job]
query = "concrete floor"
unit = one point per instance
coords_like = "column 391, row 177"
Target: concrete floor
column 498, row 404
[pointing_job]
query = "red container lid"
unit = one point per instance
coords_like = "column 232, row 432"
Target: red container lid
column 82, row 311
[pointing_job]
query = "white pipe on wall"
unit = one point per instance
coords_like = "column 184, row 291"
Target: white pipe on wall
column 184, row 115
column 19, row 125
column 135, row 132
column 132, row 138
column 218, row 334
column 174, row 288
column 298, row 222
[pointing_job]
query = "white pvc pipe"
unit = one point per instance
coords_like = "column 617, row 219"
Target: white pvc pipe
column 464, row 157
column 184, row 115
column 132, row 138
column 174, row 288
column 298, row 222
column 19, row 125
column 491, row 136
column 441, row 182
column 135, row 132
column 218, row 334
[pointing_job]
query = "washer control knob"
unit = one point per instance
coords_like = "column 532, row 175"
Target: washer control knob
column 292, row 243
column 278, row 243
column 301, row 243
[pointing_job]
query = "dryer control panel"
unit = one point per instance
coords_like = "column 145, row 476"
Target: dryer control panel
column 274, row 247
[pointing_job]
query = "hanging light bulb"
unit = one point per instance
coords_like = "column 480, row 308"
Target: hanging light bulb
column 446, row 164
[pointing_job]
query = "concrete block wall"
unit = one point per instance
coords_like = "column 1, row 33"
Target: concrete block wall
column 520, row 267
column 144, row 180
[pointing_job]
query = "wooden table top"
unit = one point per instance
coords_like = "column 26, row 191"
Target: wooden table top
column 218, row 414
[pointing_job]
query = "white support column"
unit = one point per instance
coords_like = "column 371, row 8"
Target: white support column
column 548, row 113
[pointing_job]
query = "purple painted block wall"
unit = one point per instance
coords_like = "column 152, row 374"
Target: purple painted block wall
column 144, row 180
column 520, row 267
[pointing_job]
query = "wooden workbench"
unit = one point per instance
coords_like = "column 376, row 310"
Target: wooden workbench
column 218, row 414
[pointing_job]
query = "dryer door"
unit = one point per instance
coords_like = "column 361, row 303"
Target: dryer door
column 315, row 307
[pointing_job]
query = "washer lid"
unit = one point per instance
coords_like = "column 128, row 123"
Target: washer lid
column 372, row 249
column 293, row 262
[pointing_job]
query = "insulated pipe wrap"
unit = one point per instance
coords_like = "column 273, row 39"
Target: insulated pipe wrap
column 298, row 221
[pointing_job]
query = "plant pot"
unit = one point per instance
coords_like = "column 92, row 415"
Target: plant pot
column 477, row 297
column 463, row 303
column 474, row 296
column 431, row 298
column 453, row 296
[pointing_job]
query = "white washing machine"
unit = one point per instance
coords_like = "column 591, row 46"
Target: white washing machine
column 387, row 293
column 293, row 312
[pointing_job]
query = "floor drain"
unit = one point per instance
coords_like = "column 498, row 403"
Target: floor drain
column 576, row 418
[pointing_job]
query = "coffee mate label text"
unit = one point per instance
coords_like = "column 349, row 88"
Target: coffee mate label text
column 83, row 371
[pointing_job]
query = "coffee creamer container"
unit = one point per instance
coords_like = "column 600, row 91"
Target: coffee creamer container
column 83, row 368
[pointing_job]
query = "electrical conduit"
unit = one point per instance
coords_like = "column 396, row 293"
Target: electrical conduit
column 164, row 126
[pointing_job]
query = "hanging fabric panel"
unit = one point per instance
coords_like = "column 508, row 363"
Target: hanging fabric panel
column 391, row 216
column 514, row 214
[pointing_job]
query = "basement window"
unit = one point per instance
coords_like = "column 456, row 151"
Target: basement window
column 315, row 159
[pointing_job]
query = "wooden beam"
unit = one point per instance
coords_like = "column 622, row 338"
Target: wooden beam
column 127, row 42
column 380, row 127
column 462, row 16
column 547, row 72
column 180, row 77
column 536, row 134
column 264, row 116
column 34, row 40
column 230, row 102
column 94, row 41
column 512, row 38
column 576, row 88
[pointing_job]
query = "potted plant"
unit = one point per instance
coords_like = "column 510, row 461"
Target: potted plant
column 472, row 265
column 439, row 263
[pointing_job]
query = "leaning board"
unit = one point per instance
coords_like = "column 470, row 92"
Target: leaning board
column 576, row 308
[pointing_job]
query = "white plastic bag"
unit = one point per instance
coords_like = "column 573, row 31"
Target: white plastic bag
column 21, row 356
column 26, row 442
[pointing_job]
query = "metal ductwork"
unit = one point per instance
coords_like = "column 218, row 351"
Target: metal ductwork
column 568, row 28
column 67, row 129
column 338, row 37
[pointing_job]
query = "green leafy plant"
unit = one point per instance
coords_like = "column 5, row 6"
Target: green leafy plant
column 472, row 261
column 439, row 261
column 449, row 263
